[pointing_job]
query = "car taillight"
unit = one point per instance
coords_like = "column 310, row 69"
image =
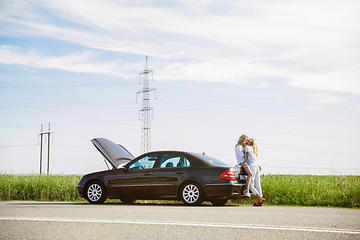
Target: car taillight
column 228, row 175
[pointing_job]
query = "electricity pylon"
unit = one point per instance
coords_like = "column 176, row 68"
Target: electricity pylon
column 146, row 109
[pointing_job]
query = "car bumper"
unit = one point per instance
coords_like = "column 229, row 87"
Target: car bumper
column 80, row 191
column 224, row 190
column 80, row 188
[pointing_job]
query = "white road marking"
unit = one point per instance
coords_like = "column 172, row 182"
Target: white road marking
column 225, row 225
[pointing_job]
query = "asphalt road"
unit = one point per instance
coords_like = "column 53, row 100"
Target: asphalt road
column 59, row 220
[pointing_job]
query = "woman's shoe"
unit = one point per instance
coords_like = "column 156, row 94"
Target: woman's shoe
column 246, row 193
column 256, row 204
column 262, row 202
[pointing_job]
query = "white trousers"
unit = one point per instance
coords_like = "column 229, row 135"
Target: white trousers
column 255, row 186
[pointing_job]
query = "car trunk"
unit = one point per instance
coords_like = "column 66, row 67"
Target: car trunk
column 240, row 174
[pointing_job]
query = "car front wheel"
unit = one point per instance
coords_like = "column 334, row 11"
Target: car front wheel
column 191, row 194
column 95, row 193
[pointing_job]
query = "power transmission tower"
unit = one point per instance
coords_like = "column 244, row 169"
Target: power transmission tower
column 41, row 150
column 146, row 109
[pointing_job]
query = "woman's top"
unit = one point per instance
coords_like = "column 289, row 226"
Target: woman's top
column 252, row 156
column 240, row 157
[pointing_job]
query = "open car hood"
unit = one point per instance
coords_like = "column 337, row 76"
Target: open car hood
column 114, row 153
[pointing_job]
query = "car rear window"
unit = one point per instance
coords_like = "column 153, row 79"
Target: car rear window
column 210, row 160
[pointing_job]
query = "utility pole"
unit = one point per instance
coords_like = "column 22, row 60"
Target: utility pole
column 41, row 148
column 41, row 144
column 48, row 163
column 145, row 111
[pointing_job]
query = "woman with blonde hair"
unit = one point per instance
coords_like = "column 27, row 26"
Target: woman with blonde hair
column 240, row 157
column 251, row 154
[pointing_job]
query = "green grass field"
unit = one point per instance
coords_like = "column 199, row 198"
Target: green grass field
column 291, row 190
column 39, row 187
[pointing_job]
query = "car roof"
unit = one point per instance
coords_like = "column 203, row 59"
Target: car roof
column 197, row 159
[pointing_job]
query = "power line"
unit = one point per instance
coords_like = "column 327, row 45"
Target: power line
column 67, row 85
column 229, row 122
column 319, row 135
column 250, row 102
column 24, row 145
column 319, row 168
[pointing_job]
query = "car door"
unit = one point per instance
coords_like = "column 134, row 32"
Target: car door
column 135, row 180
column 109, row 178
column 171, row 171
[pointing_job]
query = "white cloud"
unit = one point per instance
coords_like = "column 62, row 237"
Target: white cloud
column 348, row 81
column 321, row 98
column 262, row 39
column 356, row 107
column 85, row 62
column 282, row 24
column 217, row 70
column 75, row 62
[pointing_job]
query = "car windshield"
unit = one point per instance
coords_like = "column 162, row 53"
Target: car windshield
column 210, row 160
column 145, row 162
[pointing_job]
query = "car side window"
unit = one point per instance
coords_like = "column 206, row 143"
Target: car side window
column 174, row 160
column 144, row 163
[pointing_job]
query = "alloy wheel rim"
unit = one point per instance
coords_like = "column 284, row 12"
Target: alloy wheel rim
column 191, row 193
column 94, row 192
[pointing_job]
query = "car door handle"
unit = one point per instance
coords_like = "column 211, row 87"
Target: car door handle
column 180, row 172
column 148, row 173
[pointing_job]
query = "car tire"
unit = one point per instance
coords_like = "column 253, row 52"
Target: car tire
column 96, row 193
column 191, row 194
column 219, row 202
column 127, row 200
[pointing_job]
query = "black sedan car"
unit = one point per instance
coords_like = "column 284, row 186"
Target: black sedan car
column 161, row 175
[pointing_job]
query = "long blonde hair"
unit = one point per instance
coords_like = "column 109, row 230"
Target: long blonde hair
column 241, row 139
column 253, row 144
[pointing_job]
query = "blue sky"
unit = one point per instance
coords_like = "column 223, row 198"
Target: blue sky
column 283, row 72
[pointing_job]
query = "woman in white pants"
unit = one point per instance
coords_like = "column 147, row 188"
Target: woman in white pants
column 251, row 153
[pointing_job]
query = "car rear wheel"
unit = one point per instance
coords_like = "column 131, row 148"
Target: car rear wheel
column 219, row 202
column 191, row 194
column 95, row 193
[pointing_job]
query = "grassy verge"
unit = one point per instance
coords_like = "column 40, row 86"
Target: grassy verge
column 296, row 190
column 309, row 190
column 39, row 187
